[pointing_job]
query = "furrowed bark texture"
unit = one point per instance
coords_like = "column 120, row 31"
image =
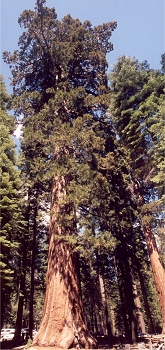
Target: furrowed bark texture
column 63, row 322
column 157, row 268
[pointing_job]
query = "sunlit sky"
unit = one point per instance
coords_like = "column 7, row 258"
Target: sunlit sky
column 140, row 26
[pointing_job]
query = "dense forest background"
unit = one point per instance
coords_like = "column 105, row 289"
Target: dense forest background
column 101, row 137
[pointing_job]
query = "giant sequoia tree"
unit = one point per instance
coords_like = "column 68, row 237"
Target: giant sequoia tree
column 60, row 86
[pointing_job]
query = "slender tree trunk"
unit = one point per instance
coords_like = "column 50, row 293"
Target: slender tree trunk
column 24, row 249
column 91, row 319
column 123, row 306
column 96, row 322
column 19, row 317
column 146, row 305
column 112, row 316
column 126, row 293
column 63, row 322
column 2, row 308
column 92, row 312
column 140, row 314
column 157, row 268
column 18, row 325
column 31, row 317
column 106, row 320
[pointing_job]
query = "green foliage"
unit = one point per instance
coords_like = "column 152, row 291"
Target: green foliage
column 11, row 217
column 136, row 111
column 60, row 88
column 163, row 62
column 63, row 96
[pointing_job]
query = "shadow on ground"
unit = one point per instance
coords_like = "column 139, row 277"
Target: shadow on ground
column 104, row 343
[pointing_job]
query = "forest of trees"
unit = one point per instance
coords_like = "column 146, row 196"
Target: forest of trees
column 82, row 204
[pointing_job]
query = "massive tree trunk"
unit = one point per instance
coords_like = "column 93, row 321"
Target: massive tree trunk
column 157, row 267
column 63, row 323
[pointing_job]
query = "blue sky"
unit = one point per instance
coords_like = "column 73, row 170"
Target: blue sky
column 140, row 26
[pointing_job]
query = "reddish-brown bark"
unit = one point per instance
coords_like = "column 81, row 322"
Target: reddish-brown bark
column 157, row 267
column 63, row 322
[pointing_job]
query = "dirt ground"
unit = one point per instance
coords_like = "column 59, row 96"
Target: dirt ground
column 46, row 348
column 155, row 340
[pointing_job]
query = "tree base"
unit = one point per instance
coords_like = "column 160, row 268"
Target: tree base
column 82, row 341
column 63, row 323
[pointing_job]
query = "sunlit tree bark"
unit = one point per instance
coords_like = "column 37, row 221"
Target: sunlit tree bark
column 63, row 322
column 157, row 267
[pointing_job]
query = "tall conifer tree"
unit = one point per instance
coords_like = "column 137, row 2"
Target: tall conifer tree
column 60, row 85
column 10, row 209
column 137, row 101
